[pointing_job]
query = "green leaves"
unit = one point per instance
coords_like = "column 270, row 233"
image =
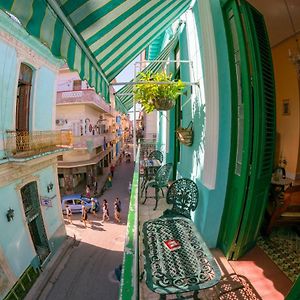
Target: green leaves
column 163, row 87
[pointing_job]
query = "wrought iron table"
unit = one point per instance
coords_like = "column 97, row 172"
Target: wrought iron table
column 190, row 267
column 150, row 168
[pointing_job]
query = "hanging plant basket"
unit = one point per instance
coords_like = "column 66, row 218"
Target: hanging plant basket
column 163, row 103
column 157, row 91
column 185, row 135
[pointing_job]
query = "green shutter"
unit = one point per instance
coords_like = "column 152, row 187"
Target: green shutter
column 253, row 128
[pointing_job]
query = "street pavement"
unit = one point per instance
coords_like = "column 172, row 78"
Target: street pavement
column 88, row 272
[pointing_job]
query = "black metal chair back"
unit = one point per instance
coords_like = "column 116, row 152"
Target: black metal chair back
column 156, row 154
column 160, row 181
column 183, row 194
column 162, row 175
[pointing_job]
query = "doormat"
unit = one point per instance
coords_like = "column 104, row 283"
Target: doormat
column 283, row 248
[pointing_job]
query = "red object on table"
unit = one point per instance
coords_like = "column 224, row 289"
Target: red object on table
column 172, row 244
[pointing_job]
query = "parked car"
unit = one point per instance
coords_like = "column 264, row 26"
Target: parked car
column 74, row 202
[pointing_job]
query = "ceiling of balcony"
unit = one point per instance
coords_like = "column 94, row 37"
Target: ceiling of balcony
column 280, row 17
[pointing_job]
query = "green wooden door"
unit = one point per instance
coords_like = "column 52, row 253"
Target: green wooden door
column 253, row 128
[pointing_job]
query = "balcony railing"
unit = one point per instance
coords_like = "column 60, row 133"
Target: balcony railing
column 21, row 144
column 92, row 141
column 82, row 96
column 129, row 288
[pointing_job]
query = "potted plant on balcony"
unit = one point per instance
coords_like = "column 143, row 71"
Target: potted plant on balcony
column 157, row 91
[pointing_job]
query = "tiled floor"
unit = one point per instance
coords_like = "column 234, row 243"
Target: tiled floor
column 268, row 280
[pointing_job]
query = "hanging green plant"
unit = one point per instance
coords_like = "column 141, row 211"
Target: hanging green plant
column 157, row 96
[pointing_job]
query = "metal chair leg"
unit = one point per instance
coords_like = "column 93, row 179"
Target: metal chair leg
column 156, row 198
column 146, row 194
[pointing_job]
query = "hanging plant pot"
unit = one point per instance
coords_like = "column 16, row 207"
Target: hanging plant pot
column 163, row 103
column 185, row 135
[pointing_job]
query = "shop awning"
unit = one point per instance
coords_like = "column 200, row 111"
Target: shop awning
column 98, row 38
column 124, row 96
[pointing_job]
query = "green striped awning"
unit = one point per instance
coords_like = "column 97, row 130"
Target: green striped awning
column 98, row 38
column 125, row 94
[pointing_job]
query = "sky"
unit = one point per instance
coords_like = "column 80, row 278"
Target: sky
column 127, row 75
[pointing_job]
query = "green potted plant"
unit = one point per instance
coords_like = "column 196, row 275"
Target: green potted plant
column 157, row 96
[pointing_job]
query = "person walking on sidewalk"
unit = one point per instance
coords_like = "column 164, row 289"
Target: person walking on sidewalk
column 118, row 201
column 117, row 212
column 84, row 216
column 93, row 209
column 88, row 191
column 105, row 215
column 112, row 170
column 69, row 214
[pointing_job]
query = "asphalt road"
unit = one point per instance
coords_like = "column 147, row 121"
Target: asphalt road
column 88, row 272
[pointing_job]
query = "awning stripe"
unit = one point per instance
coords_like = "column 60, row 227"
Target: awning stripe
column 96, row 15
column 121, row 36
column 119, row 26
column 117, row 31
column 84, row 10
column 125, row 57
column 127, row 52
column 127, row 99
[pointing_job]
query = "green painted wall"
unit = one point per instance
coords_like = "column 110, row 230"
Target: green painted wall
column 14, row 236
column 211, row 202
column 8, row 78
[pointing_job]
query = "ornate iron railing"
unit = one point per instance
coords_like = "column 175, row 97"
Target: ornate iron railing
column 146, row 147
column 21, row 144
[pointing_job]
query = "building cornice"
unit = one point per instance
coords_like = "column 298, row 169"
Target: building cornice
column 12, row 171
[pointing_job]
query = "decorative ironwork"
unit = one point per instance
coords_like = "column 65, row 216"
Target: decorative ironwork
column 25, row 143
column 191, row 267
column 156, row 154
column 160, row 181
column 183, row 194
column 147, row 146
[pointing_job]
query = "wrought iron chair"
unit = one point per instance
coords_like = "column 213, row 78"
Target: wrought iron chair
column 183, row 194
column 156, row 154
column 160, row 181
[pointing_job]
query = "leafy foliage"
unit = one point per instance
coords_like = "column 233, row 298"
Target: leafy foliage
column 147, row 93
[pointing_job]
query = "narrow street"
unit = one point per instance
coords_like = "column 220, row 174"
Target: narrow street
column 88, row 273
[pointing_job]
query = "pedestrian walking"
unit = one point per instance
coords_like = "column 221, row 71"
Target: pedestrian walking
column 69, row 214
column 93, row 209
column 112, row 170
column 117, row 212
column 109, row 182
column 84, row 216
column 118, row 201
column 105, row 211
column 82, row 209
column 88, row 191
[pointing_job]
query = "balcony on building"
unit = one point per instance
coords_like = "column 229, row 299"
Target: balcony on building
column 20, row 145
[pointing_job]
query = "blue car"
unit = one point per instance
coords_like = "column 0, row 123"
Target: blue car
column 74, row 202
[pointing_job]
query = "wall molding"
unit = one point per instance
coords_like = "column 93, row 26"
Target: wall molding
column 11, row 172
column 211, row 83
